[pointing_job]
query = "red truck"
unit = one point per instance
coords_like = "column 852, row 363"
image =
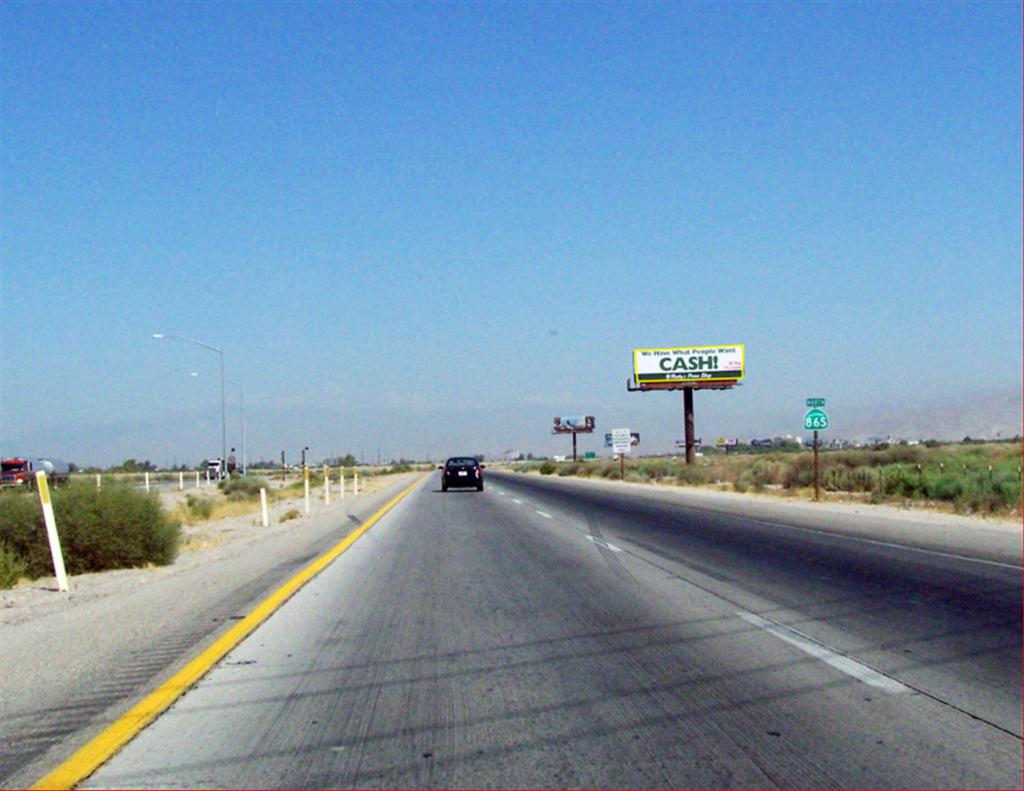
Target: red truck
column 22, row 471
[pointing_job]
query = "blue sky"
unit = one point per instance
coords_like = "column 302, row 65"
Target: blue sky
column 429, row 228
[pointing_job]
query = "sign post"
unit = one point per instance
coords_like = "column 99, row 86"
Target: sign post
column 817, row 420
column 622, row 441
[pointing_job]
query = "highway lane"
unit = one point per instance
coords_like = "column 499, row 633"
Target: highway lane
column 527, row 636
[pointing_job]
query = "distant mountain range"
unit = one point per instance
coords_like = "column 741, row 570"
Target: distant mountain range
column 989, row 416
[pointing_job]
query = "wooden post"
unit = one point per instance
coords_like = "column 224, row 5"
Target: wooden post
column 691, row 449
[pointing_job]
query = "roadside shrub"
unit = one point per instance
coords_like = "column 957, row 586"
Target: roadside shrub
column 748, row 479
column 764, row 472
column 199, row 507
column 800, row 472
column 292, row 513
column 22, row 532
column 242, row 488
column 845, row 479
column 115, row 527
column 548, row 468
column 655, row 469
column 690, row 476
column 12, row 567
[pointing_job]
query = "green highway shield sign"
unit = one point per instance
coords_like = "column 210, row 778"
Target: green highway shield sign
column 816, row 420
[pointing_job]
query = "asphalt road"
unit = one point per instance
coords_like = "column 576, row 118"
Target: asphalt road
column 537, row 636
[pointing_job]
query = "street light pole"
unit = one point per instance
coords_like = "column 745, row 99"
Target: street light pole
column 223, row 405
column 241, row 409
column 223, row 421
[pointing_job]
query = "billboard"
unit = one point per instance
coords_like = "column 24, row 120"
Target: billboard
column 682, row 364
column 578, row 424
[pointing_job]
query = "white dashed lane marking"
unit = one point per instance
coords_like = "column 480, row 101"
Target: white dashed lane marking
column 546, row 516
column 602, row 543
column 839, row 661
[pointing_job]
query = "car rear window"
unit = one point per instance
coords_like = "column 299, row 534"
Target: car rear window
column 461, row 462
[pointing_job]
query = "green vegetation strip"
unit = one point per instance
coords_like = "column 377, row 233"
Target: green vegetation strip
column 972, row 478
column 110, row 528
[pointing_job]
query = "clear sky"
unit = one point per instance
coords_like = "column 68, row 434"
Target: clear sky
column 430, row 228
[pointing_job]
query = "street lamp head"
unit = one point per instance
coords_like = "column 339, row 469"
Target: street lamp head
column 193, row 374
column 158, row 335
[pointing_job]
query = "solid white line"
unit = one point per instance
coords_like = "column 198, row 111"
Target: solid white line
column 546, row 516
column 602, row 543
column 821, row 651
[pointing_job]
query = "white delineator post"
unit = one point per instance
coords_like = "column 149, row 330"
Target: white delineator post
column 207, row 477
column 341, row 483
column 98, row 477
column 51, row 532
column 355, row 483
column 305, row 476
column 181, row 481
column 197, row 479
column 147, row 480
column 327, row 487
column 263, row 507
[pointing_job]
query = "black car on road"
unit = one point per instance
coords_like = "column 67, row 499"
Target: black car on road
column 462, row 472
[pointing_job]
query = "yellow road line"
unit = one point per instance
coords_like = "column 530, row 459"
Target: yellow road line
column 98, row 751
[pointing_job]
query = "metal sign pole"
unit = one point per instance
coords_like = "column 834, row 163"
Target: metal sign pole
column 816, row 484
column 574, row 447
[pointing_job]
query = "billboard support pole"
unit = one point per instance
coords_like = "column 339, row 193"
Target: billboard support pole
column 574, row 447
column 691, row 453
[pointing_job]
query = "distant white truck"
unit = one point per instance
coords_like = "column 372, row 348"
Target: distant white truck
column 216, row 469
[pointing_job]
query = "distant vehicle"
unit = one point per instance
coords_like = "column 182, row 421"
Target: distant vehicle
column 215, row 469
column 761, row 443
column 462, row 472
column 22, row 471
